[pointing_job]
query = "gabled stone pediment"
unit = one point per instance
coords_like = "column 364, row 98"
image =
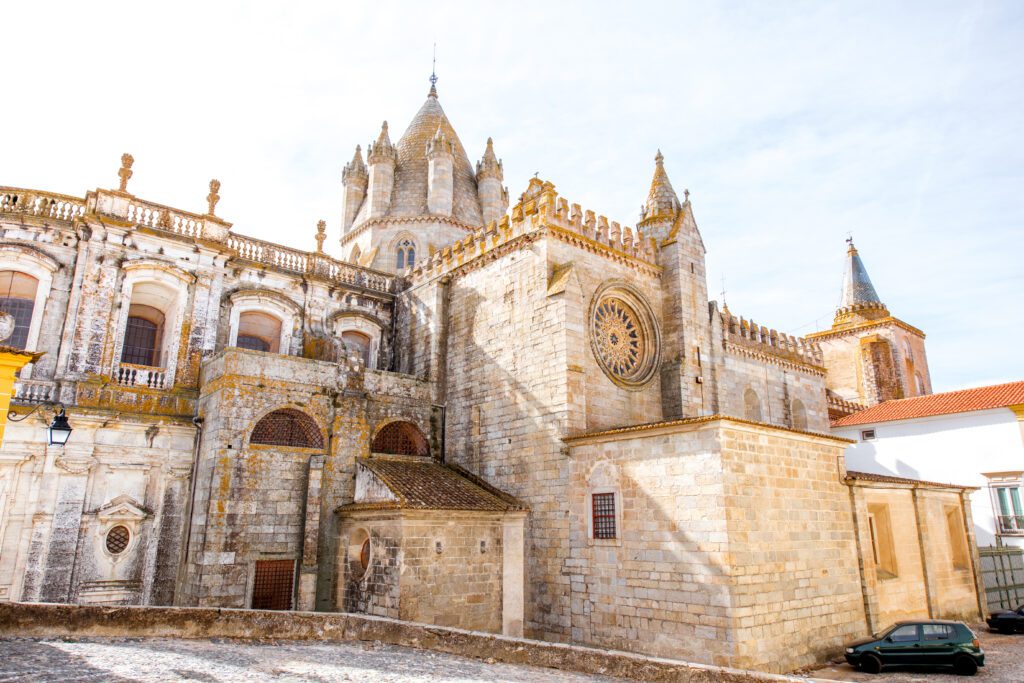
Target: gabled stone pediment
column 123, row 508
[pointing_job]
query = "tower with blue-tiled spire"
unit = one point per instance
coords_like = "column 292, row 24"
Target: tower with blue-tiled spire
column 871, row 356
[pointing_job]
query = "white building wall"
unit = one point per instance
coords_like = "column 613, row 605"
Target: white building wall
column 959, row 448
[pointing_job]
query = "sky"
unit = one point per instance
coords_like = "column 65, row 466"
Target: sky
column 793, row 125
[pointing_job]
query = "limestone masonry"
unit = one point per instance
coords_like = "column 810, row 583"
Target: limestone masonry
column 524, row 419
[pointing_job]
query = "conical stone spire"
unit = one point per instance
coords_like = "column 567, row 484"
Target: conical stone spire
column 490, row 164
column 382, row 149
column 662, row 201
column 355, row 169
column 859, row 296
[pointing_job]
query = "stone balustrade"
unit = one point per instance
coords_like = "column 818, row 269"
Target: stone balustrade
column 35, row 203
column 158, row 217
column 131, row 375
column 34, row 391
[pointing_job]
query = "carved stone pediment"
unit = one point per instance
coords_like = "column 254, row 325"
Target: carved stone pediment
column 123, row 508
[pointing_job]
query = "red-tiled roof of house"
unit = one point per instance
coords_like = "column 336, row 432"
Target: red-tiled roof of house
column 967, row 400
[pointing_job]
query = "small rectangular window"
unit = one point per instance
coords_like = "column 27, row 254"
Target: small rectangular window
column 604, row 515
column 867, row 434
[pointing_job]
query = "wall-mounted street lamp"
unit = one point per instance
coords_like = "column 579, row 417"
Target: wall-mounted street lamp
column 59, row 430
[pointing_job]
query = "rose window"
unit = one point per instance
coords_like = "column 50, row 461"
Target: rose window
column 618, row 337
column 624, row 337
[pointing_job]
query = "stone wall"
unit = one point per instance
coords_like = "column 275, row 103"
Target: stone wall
column 440, row 568
column 736, row 545
column 49, row 621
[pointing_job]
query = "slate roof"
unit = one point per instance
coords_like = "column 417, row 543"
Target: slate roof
column 857, row 287
column 967, row 400
column 425, row 484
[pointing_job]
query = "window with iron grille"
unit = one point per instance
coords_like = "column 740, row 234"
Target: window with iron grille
column 604, row 515
column 287, row 427
column 273, row 584
column 400, row 438
column 117, row 539
column 139, row 342
column 21, row 310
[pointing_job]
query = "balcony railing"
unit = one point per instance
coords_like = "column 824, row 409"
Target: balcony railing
column 1011, row 524
column 130, row 375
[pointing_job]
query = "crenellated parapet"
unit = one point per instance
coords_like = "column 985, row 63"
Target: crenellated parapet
column 541, row 211
column 747, row 335
column 858, row 312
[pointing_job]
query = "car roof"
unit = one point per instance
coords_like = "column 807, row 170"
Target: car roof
column 929, row 621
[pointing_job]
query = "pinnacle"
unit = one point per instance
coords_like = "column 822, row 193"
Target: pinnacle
column 857, row 287
column 662, row 201
column 383, row 137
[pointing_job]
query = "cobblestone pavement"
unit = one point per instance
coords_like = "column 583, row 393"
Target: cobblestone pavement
column 119, row 660
column 1004, row 663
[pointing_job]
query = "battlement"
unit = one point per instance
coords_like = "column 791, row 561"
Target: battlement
column 540, row 208
column 749, row 335
column 866, row 311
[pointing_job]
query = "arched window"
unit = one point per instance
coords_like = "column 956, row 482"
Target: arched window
column 405, row 254
column 751, row 405
column 400, row 438
column 356, row 253
column 287, row 427
column 258, row 331
column 919, row 381
column 142, row 336
column 358, row 343
column 18, row 298
column 799, row 414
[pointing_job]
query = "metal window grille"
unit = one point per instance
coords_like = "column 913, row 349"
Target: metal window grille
column 604, row 515
column 400, row 438
column 21, row 309
column 273, row 584
column 117, row 540
column 246, row 341
column 287, row 427
column 139, row 342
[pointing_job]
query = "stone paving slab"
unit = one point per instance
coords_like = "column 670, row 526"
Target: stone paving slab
column 1004, row 663
column 148, row 660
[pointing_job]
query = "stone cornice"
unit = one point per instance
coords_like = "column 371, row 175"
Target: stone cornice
column 867, row 325
column 669, row 426
column 774, row 360
column 390, row 220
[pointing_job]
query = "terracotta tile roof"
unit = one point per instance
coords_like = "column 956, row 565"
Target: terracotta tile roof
column 887, row 479
column 982, row 398
column 425, row 484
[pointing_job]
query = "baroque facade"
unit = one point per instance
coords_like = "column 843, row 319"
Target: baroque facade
column 526, row 419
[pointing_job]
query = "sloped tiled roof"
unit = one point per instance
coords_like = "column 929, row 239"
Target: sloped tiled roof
column 967, row 400
column 425, row 484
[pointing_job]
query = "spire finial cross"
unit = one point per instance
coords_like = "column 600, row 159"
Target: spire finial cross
column 433, row 69
column 723, row 292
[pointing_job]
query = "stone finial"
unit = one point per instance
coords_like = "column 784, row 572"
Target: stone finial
column 490, row 165
column 662, row 202
column 321, row 235
column 126, row 171
column 213, row 197
column 382, row 149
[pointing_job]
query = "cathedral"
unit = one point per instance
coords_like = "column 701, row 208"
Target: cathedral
column 518, row 418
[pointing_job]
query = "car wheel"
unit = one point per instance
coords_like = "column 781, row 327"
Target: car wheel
column 870, row 664
column 964, row 665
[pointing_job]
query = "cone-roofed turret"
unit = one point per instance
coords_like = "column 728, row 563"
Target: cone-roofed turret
column 662, row 201
column 859, row 295
column 410, row 193
column 490, row 164
column 355, row 168
column 382, row 149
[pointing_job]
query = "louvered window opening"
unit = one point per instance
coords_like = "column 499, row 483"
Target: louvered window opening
column 400, row 438
column 117, row 540
column 287, row 428
column 273, row 584
column 139, row 342
column 604, row 515
column 21, row 310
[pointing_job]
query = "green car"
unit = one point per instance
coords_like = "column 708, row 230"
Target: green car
column 919, row 643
